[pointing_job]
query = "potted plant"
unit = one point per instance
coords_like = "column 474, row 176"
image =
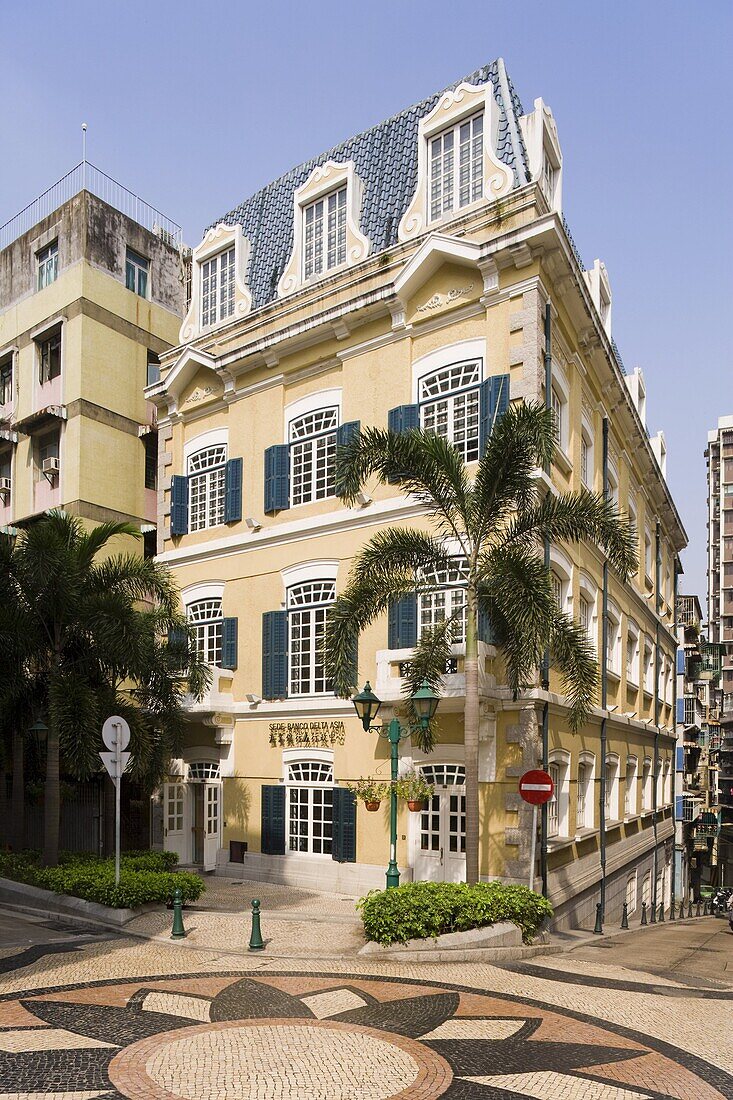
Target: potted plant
column 369, row 791
column 414, row 789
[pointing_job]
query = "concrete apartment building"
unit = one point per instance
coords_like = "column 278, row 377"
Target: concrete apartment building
column 719, row 455
column 92, row 292
column 402, row 278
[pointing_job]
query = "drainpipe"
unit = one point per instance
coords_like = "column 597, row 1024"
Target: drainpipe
column 545, row 668
column 657, row 669
column 678, row 846
column 604, row 692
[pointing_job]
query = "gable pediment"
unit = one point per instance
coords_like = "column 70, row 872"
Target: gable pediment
column 459, row 257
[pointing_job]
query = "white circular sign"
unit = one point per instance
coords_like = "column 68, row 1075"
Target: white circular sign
column 113, row 729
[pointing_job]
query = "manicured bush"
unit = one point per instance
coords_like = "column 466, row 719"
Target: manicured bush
column 144, row 877
column 420, row 910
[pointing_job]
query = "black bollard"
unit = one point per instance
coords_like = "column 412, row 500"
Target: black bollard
column 697, row 911
column 177, row 929
column 256, row 943
column 652, row 912
column 705, row 908
column 689, row 908
column 671, row 909
column 661, row 912
column 643, row 913
column 625, row 916
column 598, row 928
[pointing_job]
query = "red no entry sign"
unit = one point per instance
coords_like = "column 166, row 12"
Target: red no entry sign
column 536, row 787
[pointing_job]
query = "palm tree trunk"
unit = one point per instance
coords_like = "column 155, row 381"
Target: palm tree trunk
column 52, row 802
column 470, row 739
column 17, row 804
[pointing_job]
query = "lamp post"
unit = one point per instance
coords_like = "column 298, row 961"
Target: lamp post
column 367, row 706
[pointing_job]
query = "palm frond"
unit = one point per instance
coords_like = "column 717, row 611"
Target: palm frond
column 574, row 657
column 428, row 662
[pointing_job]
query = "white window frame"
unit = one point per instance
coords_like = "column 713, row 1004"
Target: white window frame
column 630, row 896
column 217, row 275
column 456, row 166
column 454, row 412
column 667, row 783
column 218, row 240
column 206, row 473
column 632, row 653
column 206, row 617
column 7, row 369
column 613, row 659
column 324, row 245
column 139, row 265
column 648, row 554
column 613, row 484
column 307, row 609
column 309, row 792
column 646, row 785
column 313, row 455
column 648, row 670
column 631, row 782
column 585, row 802
column 587, row 455
column 445, row 597
column 612, row 788
column 558, row 806
column 47, row 265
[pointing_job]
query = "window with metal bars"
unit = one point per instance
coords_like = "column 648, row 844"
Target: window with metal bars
column 205, row 617
column 444, row 597
column 206, row 487
column 217, row 288
column 308, row 605
column 456, row 166
column 324, row 233
column 312, row 439
column 449, row 406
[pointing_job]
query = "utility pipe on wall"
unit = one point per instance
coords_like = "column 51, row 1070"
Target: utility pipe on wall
column 545, row 670
column 604, row 693
column 657, row 669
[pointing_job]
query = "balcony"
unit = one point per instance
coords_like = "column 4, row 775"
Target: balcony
column 691, row 808
column 694, row 713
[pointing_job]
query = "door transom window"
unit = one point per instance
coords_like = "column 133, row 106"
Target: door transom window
column 449, row 406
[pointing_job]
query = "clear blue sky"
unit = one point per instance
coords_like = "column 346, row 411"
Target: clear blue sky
column 195, row 105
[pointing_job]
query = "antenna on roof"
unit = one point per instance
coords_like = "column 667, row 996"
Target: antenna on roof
column 84, row 153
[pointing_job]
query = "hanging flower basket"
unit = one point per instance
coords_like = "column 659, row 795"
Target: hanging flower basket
column 372, row 804
column 370, row 792
column 414, row 790
column 416, row 805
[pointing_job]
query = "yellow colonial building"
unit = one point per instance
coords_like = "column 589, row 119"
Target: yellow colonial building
column 415, row 274
column 92, row 291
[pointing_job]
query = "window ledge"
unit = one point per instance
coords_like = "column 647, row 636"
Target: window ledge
column 585, row 832
column 561, row 460
column 556, row 843
column 630, row 682
column 613, row 674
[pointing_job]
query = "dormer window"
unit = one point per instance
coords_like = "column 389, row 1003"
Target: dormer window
column 217, row 288
column 324, row 234
column 456, row 166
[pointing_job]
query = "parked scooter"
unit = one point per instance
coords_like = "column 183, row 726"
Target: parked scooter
column 719, row 905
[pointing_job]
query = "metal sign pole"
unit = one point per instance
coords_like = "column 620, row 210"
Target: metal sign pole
column 118, row 786
column 116, row 736
column 532, row 846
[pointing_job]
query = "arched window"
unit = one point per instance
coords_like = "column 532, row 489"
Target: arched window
column 310, row 805
column 585, row 808
column 206, row 487
column 312, row 440
column 203, row 770
column 587, row 604
column 630, row 793
column 612, row 783
column 449, row 405
column 308, row 605
column 445, row 597
column 557, row 807
column 613, row 640
column 646, row 784
column 205, row 616
column 632, row 652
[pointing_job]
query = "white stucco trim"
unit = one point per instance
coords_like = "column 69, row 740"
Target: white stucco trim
column 213, row 438
column 458, row 352
column 321, row 399
column 320, row 570
column 206, row 590
column 218, row 239
column 300, row 755
column 452, row 107
column 323, row 179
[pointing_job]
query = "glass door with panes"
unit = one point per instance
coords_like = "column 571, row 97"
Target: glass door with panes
column 212, row 824
column 439, row 832
column 174, row 815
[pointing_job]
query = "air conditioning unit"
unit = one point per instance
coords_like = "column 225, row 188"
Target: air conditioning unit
column 5, row 486
column 50, row 467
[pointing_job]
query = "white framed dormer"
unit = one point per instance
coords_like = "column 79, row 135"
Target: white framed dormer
column 219, row 289
column 326, row 219
column 541, row 141
column 599, row 286
column 466, row 117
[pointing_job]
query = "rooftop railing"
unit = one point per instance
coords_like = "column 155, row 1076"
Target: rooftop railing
column 86, row 177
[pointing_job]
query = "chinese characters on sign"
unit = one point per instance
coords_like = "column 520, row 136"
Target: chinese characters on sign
column 289, row 734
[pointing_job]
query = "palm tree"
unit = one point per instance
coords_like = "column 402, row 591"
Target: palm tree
column 496, row 524
column 85, row 631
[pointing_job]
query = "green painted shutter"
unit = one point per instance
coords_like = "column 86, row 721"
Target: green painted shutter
column 344, row 826
column 347, row 431
column 273, row 820
column 233, row 494
column 277, row 477
column 494, row 402
column 485, row 630
column 274, row 654
column 179, row 505
column 229, row 643
column 402, row 419
column 402, row 623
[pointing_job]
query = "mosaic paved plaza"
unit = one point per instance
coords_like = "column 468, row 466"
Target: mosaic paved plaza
column 84, row 1017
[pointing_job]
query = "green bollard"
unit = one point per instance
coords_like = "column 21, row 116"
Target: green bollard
column 643, row 913
column 598, row 929
column 256, row 943
column 661, row 912
column 625, row 916
column 178, row 930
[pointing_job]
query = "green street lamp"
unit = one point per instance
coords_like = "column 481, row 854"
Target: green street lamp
column 367, row 706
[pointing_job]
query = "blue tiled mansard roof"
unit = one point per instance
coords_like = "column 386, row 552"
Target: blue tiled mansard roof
column 386, row 160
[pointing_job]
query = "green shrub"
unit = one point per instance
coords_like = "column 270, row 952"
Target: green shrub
column 144, row 877
column 420, row 910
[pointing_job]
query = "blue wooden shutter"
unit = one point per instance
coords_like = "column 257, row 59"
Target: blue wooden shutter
column 273, row 820
column 402, row 623
column 229, row 643
column 347, row 431
column 343, row 849
column 680, row 662
column 277, row 477
column 485, row 630
column 233, row 497
column 681, row 710
column 275, row 654
column 680, row 762
column 403, row 418
column 679, row 808
column 493, row 404
column 179, row 505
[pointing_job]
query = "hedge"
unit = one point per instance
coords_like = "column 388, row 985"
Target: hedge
column 144, row 877
column 420, row 910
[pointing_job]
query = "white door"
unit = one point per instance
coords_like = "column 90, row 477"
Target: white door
column 174, row 813
column 439, row 844
column 212, row 824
